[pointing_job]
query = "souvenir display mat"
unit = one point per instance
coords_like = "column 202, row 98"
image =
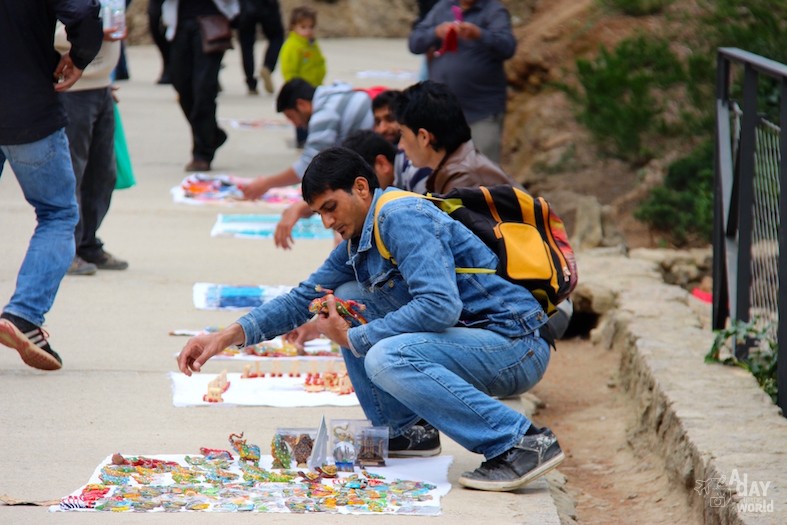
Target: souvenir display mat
column 284, row 391
column 222, row 189
column 252, row 226
column 183, row 483
column 212, row 296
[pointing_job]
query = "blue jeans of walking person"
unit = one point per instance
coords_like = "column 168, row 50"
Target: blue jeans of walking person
column 45, row 174
column 398, row 379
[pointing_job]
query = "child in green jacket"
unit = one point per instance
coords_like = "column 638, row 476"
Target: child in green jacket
column 300, row 55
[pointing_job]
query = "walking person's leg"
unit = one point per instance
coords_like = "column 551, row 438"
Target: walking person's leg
column 81, row 113
column 273, row 29
column 247, row 36
column 45, row 174
column 157, row 33
column 208, row 137
column 188, row 70
column 98, row 183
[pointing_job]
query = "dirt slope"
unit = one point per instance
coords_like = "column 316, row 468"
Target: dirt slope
column 545, row 147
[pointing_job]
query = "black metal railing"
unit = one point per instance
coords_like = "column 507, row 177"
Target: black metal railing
column 748, row 176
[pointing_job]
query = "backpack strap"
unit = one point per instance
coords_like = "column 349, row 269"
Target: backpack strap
column 384, row 199
column 447, row 205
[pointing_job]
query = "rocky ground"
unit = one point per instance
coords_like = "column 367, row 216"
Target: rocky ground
column 611, row 474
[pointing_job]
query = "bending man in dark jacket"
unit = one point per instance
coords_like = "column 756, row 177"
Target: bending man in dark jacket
column 33, row 140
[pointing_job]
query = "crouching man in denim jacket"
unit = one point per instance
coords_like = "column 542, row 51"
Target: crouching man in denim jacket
column 439, row 346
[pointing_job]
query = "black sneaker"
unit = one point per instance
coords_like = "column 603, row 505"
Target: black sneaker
column 30, row 341
column 532, row 457
column 420, row 440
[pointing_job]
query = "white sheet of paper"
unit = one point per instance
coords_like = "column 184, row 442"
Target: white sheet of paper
column 258, row 391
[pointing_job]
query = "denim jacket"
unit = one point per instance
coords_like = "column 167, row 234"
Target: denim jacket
column 420, row 293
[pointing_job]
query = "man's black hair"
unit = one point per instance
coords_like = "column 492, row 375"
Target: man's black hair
column 385, row 99
column 369, row 144
column 290, row 93
column 335, row 169
column 433, row 107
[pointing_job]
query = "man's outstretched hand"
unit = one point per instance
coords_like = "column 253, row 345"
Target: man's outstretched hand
column 200, row 348
column 282, row 237
column 255, row 189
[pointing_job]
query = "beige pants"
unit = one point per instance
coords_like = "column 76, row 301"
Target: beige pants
column 487, row 135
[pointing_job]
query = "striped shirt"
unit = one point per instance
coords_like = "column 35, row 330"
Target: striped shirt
column 337, row 111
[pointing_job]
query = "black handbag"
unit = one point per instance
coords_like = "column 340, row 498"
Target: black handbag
column 216, row 33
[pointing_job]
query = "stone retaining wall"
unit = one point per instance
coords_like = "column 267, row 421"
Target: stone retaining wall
column 707, row 421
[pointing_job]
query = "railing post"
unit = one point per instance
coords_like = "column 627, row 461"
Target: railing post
column 745, row 181
column 722, row 157
column 781, row 333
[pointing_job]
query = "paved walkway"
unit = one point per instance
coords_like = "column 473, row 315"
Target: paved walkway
column 111, row 329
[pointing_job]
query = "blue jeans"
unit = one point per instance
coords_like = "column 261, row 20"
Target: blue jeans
column 45, row 174
column 448, row 378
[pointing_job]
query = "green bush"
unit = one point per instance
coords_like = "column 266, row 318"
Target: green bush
column 637, row 7
column 757, row 26
column 620, row 106
column 683, row 206
column 762, row 362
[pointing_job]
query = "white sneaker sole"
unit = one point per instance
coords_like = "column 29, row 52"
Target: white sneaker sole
column 503, row 486
column 415, row 453
column 32, row 355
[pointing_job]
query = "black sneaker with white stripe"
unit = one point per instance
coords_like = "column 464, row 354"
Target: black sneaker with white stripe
column 420, row 440
column 531, row 458
column 30, row 341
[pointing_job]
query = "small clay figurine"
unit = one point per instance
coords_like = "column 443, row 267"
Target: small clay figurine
column 348, row 309
column 302, row 449
column 249, row 453
column 280, row 452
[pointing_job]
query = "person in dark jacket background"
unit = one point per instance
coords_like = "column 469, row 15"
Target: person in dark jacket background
column 467, row 42
column 33, row 140
column 195, row 72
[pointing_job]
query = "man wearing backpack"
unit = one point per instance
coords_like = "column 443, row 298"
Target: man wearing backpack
column 439, row 345
column 435, row 135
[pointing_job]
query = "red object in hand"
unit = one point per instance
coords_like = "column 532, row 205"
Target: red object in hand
column 450, row 42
